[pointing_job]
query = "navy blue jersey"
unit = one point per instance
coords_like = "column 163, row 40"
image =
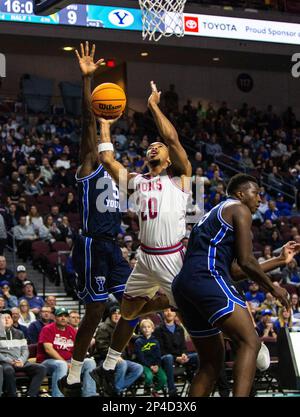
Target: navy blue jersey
column 212, row 242
column 99, row 204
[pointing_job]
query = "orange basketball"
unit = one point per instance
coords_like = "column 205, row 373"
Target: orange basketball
column 108, row 100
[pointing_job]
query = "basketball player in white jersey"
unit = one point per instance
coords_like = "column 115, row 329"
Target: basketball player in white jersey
column 161, row 198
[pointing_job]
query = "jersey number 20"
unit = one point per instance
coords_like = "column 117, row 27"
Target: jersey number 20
column 151, row 209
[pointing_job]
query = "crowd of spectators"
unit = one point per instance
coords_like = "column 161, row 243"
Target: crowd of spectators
column 39, row 159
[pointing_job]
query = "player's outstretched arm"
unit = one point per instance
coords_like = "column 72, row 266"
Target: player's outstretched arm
column 242, row 220
column 287, row 253
column 167, row 131
column 107, row 156
column 88, row 153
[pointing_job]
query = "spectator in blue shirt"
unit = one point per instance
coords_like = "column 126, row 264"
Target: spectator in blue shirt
column 10, row 300
column 5, row 274
column 284, row 207
column 35, row 327
column 35, row 303
column 254, row 296
column 272, row 213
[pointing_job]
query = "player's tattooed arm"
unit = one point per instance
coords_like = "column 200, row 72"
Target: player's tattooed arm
column 117, row 171
column 88, row 154
column 287, row 253
column 180, row 163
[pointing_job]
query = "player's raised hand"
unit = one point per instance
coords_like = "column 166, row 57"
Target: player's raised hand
column 108, row 122
column 86, row 59
column 155, row 95
column 289, row 250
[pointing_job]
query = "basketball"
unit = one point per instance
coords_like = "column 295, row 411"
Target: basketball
column 108, row 100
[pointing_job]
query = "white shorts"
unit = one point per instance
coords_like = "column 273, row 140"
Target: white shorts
column 154, row 272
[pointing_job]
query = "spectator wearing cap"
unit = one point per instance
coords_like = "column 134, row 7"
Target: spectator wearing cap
column 10, row 300
column 36, row 326
column 5, row 273
column 17, row 282
column 29, row 294
column 15, row 313
column 55, row 350
column 14, row 355
column 24, row 235
column 127, row 372
column 265, row 326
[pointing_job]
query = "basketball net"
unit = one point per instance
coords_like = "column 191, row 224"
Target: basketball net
column 162, row 18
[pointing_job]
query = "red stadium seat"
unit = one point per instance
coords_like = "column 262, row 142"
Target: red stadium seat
column 45, row 200
column 40, row 248
column 53, row 259
column 295, row 220
column 60, row 246
column 30, row 200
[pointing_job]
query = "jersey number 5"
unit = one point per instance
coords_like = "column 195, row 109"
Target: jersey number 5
column 151, row 209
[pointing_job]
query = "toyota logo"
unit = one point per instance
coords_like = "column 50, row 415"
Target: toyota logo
column 191, row 24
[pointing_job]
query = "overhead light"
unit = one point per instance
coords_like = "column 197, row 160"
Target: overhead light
column 216, row 59
column 103, row 64
column 68, row 48
column 144, row 54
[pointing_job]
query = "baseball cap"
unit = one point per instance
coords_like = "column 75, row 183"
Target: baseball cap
column 61, row 310
column 128, row 238
column 27, row 283
column 21, row 268
column 114, row 309
column 266, row 312
column 2, row 283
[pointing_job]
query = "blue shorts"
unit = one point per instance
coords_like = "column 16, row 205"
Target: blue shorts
column 203, row 299
column 100, row 268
